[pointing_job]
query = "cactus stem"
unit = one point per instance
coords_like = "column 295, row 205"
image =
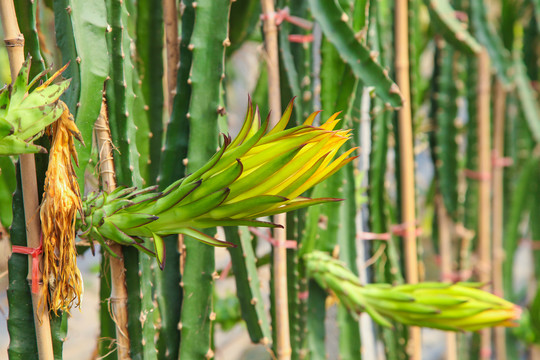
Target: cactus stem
column 118, row 300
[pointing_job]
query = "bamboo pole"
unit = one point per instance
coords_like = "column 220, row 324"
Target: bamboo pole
column 118, row 300
column 445, row 245
column 283, row 345
column 484, row 200
column 14, row 42
column 499, row 103
column 406, row 149
column 170, row 17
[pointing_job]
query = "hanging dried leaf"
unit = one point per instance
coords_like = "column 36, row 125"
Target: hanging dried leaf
column 61, row 200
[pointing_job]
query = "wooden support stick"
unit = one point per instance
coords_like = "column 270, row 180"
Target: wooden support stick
column 406, row 149
column 14, row 41
column 118, row 300
column 283, row 345
column 484, row 191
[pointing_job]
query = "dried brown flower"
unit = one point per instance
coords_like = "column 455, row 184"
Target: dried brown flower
column 61, row 200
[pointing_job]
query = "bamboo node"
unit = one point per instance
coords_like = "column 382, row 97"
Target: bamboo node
column 15, row 42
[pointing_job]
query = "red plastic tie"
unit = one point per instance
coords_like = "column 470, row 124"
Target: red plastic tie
column 485, row 353
column 34, row 252
column 288, row 244
column 499, row 162
column 373, row 236
column 451, row 277
column 397, row 230
column 477, row 175
column 303, row 295
column 225, row 271
column 297, row 38
column 284, row 15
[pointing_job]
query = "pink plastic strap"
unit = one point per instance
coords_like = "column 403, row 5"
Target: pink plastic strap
column 303, row 295
column 288, row 244
column 34, row 252
column 296, row 38
column 283, row 15
column 476, row 175
column 485, row 353
column 225, row 271
column 373, row 236
column 397, row 230
column 451, row 277
column 499, row 162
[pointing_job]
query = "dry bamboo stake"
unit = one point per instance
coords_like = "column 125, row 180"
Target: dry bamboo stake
column 484, row 200
column 408, row 207
column 14, row 41
column 118, row 300
column 534, row 352
column 445, row 246
column 499, row 102
column 170, row 17
column 283, row 345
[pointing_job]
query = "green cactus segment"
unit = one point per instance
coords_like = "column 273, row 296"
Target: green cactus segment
column 315, row 322
column 470, row 207
column 7, row 187
column 133, row 285
column 378, row 202
column 536, row 4
column 169, row 301
column 417, row 40
column 451, row 307
column 520, row 203
column 148, row 308
column 243, row 20
column 150, row 70
column 20, row 324
column 297, row 289
column 107, row 333
column 349, row 343
column 487, row 36
column 26, row 17
column 445, row 114
column 26, row 116
column 177, row 135
column 65, row 40
column 444, row 19
column 59, row 327
column 289, row 67
column 120, row 99
column 248, row 285
column 330, row 17
column 207, row 44
column 127, row 122
column 89, row 21
column 527, row 98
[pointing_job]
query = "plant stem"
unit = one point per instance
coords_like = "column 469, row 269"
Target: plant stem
column 118, row 300
column 445, row 246
column 498, row 202
column 170, row 17
column 14, row 41
column 484, row 169
column 283, row 345
column 408, row 207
